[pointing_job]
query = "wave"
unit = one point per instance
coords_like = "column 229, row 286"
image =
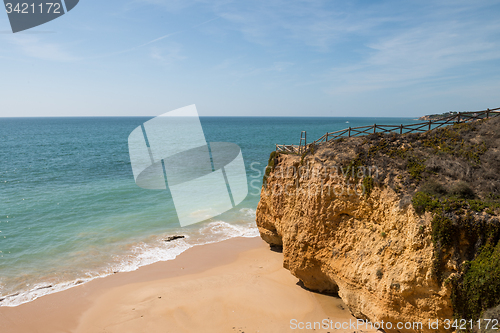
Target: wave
column 145, row 253
column 248, row 212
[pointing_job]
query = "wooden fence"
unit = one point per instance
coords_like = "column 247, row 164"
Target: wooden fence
column 459, row 117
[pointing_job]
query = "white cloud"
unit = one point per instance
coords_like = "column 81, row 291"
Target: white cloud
column 167, row 56
column 442, row 50
column 35, row 46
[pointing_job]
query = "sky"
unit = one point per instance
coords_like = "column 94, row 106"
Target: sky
column 255, row 58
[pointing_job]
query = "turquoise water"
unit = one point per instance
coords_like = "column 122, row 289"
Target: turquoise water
column 70, row 210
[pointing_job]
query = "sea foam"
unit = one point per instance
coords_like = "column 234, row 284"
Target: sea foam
column 146, row 253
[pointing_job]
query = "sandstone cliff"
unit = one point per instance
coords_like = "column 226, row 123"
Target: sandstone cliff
column 393, row 224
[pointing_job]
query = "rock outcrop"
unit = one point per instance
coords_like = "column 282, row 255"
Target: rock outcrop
column 345, row 217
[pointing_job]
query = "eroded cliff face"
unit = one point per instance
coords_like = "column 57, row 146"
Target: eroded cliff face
column 374, row 250
column 404, row 227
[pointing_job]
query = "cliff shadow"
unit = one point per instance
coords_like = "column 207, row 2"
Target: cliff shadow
column 326, row 292
column 276, row 248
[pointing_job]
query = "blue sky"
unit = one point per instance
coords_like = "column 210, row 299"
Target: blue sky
column 255, row 58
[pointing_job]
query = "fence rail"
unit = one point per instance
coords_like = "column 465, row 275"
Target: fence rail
column 459, row 117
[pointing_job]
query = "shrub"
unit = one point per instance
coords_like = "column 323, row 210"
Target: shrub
column 353, row 167
column 423, row 202
column 416, row 167
column 478, row 205
column 368, row 185
column 379, row 273
column 270, row 166
column 442, row 230
column 433, row 188
column 480, row 288
column 462, row 190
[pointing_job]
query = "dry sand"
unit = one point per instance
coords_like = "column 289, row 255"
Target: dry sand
column 234, row 286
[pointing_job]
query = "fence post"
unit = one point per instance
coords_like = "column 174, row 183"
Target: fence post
column 401, row 129
column 349, row 133
column 458, row 119
column 487, row 113
column 326, row 137
column 430, row 122
column 374, row 128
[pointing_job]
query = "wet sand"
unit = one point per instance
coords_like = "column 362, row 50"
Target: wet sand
column 238, row 285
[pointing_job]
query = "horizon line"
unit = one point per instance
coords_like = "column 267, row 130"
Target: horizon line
column 43, row 117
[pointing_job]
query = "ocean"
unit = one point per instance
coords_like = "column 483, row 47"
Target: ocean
column 71, row 212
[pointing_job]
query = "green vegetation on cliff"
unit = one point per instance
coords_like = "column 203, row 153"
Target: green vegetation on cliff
column 454, row 173
column 270, row 166
column 456, row 216
column 443, row 255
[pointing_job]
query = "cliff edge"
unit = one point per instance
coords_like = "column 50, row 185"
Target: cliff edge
column 404, row 228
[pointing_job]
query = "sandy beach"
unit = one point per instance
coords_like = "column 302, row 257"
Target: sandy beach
column 238, row 285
